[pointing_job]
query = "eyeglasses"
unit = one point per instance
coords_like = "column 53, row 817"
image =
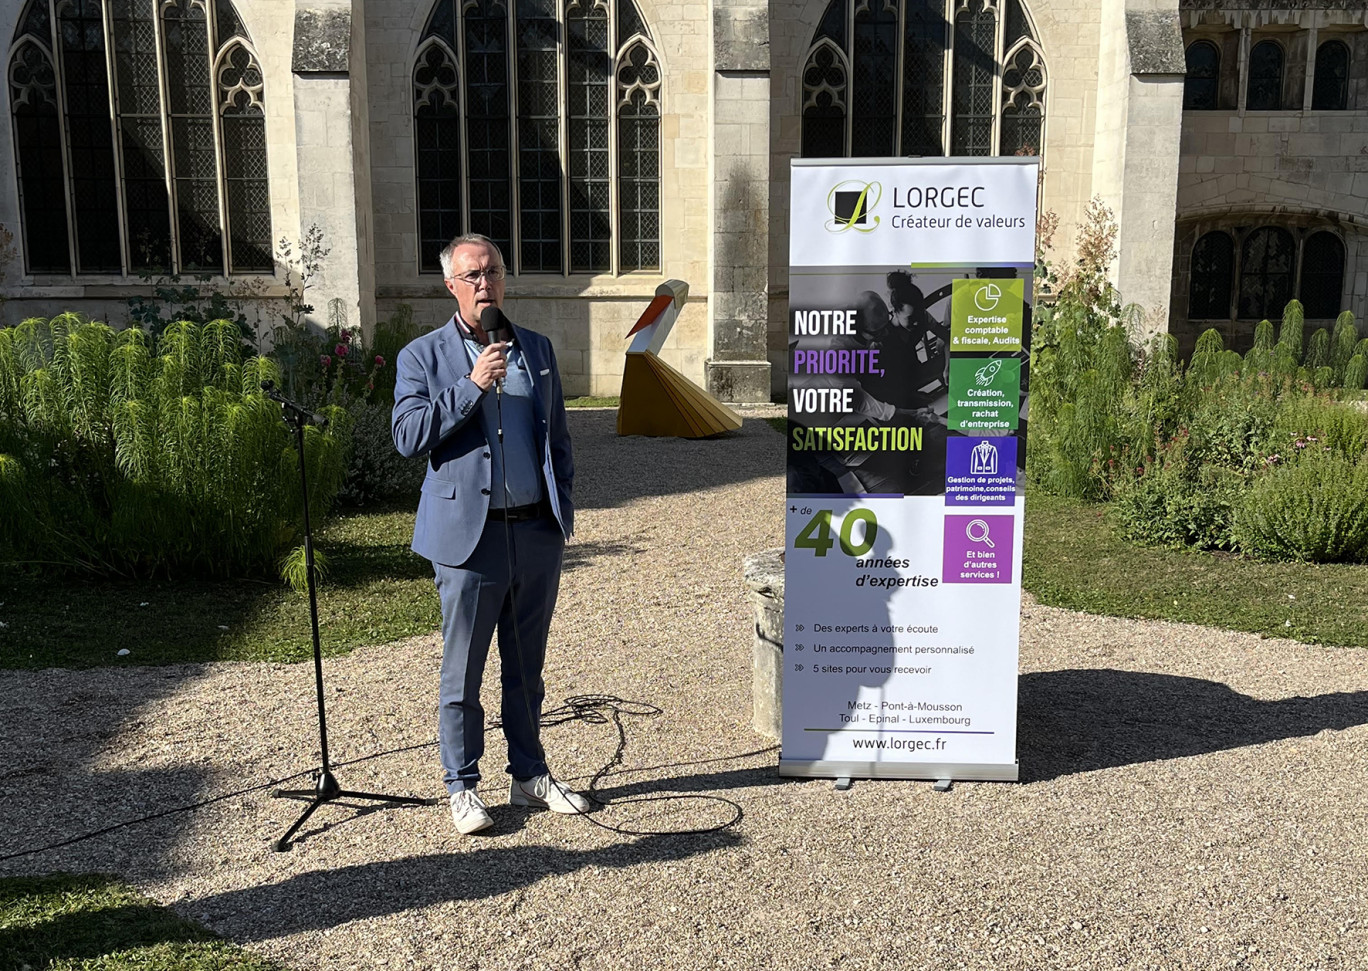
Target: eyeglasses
column 493, row 274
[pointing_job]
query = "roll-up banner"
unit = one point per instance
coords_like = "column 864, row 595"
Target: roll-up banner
column 909, row 326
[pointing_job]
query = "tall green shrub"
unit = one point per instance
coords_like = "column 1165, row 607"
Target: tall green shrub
column 1290, row 333
column 1317, row 350
column 1082, row 365
column 1263, row 337
column 117, row 458
column 1314, row 508
column 1355, row 373
column 1342, row 343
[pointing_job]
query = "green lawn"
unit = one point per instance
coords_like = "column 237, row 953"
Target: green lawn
column 376, row 591
column 95, row 923
column 1074, row 560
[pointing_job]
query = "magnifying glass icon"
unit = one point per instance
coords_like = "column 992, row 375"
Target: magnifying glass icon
column 977, row 531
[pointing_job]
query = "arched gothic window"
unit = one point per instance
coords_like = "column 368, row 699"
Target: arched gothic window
column 1265, row 77
column 140, row 142
column 1200, row 84
column 537, row 123
column 1330, row 89
column 1322, row 275
column 1213, row 265
column 1266, row 261
column 922, row 77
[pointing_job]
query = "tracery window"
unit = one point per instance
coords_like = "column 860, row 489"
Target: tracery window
column 1330, row 88
column 1269, row 255
column 556, row 104
column 139, row 128
column 1264, row 92
column 1213, row 266
column 1266, row 263
column 1200, row 83
column 1322, row 275
column 923, row 77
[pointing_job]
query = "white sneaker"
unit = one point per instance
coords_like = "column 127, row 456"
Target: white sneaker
column 469, row 812
column 544, row 792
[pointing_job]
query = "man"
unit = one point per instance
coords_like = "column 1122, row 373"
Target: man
column 493, row 518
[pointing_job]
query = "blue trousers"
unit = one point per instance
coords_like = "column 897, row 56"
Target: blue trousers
column 478, row 596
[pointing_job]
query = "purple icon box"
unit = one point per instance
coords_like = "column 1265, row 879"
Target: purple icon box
column 980, row 471
column 978, row 549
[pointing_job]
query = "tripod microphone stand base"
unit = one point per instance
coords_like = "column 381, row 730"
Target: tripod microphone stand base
column 326, row 790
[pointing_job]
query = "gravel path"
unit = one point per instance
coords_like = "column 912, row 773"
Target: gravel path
column 1191, row 798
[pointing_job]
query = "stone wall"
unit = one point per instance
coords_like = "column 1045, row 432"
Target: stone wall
column 742, row 199
column 270, row 25
column 1296, row 168
column 586, row 315
column 1139, row 122
column 1069, row 33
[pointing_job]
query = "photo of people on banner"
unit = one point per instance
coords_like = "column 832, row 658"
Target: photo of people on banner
column 870, row 375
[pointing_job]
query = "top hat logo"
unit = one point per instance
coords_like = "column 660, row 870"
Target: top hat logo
column 851, row 205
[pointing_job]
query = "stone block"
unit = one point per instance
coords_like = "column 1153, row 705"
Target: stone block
column 606, row 363
column 764, row 579
column 322, row 41
column 1155, row 42
column 742, row 111
column 1313, row 145
column 739, row 381
column 1339, row 122
column 741, row 38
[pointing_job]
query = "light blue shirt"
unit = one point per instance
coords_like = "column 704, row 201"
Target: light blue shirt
column 518, row 457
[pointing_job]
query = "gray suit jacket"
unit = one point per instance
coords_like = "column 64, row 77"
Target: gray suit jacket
column 436, row 411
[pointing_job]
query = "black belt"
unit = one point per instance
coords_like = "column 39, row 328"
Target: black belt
column 521, row 514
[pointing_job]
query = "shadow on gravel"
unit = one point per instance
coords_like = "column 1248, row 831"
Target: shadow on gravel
column 323, row 899
column 699, row 782
column 612, row 471
column 1080, row 720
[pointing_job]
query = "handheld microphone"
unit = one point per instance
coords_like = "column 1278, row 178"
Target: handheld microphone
column 498, row 327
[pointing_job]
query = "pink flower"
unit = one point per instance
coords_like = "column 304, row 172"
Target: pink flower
column 324, row 360
column 340, row 350
column 346, row 337
column 379, row 361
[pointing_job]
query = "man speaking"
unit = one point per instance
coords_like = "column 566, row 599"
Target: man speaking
column 493, row 518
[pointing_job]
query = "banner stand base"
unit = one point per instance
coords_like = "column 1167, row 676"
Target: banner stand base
column 941, row 773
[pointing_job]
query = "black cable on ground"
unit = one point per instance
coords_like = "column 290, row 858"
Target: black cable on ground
column 590, row 709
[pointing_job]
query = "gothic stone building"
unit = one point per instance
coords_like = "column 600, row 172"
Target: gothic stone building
column 609, row 145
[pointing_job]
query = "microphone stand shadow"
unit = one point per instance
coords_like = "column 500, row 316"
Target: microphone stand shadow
column 326, row 787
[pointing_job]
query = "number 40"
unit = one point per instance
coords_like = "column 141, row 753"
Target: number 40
column 816, row 535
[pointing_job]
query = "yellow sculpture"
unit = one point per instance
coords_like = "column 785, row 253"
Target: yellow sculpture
column 656, row 399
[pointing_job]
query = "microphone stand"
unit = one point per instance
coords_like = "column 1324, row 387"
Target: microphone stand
column 326, row 788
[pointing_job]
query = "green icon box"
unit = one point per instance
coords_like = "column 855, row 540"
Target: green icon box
column 985, row 394
column 985, row 315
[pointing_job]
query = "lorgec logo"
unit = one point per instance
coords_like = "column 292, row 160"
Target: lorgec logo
column 851, row 205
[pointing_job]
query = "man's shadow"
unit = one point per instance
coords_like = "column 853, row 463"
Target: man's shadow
column 1081, row 720
column 326, row 898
